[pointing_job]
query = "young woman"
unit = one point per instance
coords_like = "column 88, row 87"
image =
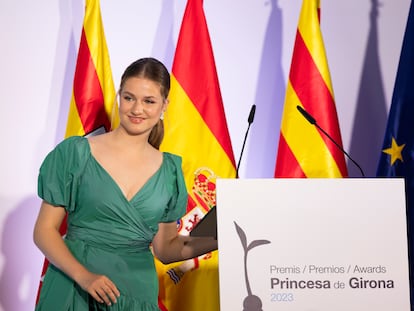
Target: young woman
column 122, row 198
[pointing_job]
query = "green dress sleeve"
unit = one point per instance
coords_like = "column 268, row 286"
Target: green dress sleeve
column 177, row 205
column 60, row 172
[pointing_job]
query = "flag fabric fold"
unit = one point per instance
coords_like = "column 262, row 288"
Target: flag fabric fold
column 397, row 155
column 305, row 151
column 93, row 103
column 196, row 129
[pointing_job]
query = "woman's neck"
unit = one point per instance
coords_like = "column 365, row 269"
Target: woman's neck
column 122, row 139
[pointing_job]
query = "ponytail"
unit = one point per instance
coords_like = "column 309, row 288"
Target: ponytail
column 157, row 134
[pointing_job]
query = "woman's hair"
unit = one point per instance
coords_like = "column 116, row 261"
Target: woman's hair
column 152, row 69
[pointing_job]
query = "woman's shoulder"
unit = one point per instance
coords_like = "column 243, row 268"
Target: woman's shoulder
column 73, row 146
column 172, row 157
column 72, row 141
column 68, row 156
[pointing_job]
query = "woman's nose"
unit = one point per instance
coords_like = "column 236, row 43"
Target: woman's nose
column 137, row 108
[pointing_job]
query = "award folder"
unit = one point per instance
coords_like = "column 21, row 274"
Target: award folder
column 99, row 130
column 207, row 226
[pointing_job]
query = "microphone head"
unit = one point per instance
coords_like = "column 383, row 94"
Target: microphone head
column 251, row 114
column 307, row 116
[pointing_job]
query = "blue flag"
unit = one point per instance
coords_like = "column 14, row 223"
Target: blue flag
column 397, row 155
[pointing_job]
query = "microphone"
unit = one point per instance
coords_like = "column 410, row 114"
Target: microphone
column 312, row 121
column 250, row 121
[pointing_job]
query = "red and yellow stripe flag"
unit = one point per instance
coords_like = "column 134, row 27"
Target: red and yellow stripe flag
column 304, row 151
column 196, row 129
column 93, row 102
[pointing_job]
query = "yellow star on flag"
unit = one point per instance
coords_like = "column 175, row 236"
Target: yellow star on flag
column 394, row 151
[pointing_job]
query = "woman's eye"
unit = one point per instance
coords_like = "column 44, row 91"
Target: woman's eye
column 150, row 101
column 128, row 98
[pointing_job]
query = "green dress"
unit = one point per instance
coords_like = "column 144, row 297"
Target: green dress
column 107, row 233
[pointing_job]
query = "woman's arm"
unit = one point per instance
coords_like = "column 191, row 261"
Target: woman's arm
column 169, row 246
column 47, row 238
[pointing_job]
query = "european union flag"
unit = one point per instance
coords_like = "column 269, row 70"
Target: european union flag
column 397, row 156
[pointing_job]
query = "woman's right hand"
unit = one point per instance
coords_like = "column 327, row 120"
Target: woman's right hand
column 100, row 287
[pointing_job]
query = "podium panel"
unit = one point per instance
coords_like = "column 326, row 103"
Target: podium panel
column 312, row 244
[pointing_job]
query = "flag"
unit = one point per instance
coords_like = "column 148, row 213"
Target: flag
column 196, row 129
column 397, row 156
column 304, row 150
column 93, row 98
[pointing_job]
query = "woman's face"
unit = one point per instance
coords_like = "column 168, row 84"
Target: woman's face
column 140, row 105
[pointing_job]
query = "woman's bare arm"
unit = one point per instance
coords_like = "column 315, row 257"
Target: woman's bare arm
column 169, row 246
column 47, row 238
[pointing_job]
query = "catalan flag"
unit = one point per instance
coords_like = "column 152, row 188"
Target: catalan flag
column 397, row 155
column 93, row 99
column 196, row 129
column 304, row 150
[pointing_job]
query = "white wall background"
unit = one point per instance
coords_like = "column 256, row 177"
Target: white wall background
column 252, row 42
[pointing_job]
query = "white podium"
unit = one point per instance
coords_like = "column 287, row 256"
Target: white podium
column 312, row 245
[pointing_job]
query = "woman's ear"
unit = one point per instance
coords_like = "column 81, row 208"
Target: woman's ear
column 166, row 103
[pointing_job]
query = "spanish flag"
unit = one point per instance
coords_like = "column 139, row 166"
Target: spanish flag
column 304, row 150
column 93, row 103
column 196, row 129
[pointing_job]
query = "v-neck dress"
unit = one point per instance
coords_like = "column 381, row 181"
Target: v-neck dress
column 107, row 233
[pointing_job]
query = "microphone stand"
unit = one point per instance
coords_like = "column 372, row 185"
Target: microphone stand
column 250, row 121
column 312, row 121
